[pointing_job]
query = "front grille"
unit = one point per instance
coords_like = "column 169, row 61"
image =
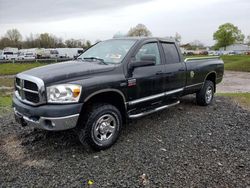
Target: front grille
column 27, row 90
column 32, row 97
column 18, row 81
column 30, row 85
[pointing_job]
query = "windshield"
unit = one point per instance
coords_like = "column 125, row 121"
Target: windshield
column 8, row 53
column 109, row 52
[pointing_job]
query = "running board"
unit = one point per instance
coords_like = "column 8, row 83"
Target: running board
column 134, row 116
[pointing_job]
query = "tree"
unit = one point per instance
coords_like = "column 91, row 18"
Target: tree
column 80, row 43
column 5, row 42
column 88, row 44
column 118, row 35
column 139, row 30
column 248, row 40
column 14, row 36
column 49, row 41
column 31, row 41
column 227, row 34
column 177, row 38
column 195, row 45
column 71, row 43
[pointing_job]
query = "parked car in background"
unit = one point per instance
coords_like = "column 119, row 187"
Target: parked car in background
column 189, row 53
column 72, row 53
column 231, row 53
column 203, row 52
column 79, row 52
column 1, row 54
column 10, row 53
column 211, row 52
column 62, row 52
column 9, row 56
column 54, row 54
column 47, row 54
column 26, row 56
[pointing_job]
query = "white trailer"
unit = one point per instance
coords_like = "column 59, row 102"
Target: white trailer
column 9, row 53
column 69, row 52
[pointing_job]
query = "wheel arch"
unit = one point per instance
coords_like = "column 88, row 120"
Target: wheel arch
column 211, row 76
column 111, row 96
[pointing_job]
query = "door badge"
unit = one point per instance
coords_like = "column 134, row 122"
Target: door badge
column 131, row 82
column 191, row 74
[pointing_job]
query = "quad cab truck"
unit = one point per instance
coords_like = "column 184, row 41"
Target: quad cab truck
column 110, row 83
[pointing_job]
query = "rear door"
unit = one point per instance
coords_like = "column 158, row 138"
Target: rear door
column 175, row 76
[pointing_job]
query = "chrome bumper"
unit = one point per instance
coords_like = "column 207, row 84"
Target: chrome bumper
column 47, row 123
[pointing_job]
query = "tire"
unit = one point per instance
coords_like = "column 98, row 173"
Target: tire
column 205, row 96
column 100, row 127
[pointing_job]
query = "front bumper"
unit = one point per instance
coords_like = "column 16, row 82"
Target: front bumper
column 47, row 117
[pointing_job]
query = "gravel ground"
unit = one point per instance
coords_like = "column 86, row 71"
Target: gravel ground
column 185, row 146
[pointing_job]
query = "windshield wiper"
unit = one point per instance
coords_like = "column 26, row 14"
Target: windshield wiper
column 95, row 58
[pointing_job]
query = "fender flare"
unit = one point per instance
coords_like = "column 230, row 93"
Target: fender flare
column 105, row 91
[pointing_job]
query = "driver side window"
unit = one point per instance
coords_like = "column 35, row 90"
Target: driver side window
column 149, row 49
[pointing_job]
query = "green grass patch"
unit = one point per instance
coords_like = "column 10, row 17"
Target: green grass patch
column 5, row 102
column 14, row 68
column 7, row 82
column 237, row 62
column 242, row 98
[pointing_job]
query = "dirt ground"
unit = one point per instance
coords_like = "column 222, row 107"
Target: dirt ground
column 234, row 82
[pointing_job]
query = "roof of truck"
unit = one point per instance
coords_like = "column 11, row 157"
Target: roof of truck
column 165, row 39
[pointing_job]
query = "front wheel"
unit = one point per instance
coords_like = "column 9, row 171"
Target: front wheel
column 100, row 127
column 205, row 96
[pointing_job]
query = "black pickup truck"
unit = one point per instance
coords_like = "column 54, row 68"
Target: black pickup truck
column 110, row 83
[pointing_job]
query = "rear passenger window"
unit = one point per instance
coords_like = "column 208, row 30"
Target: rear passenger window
column 171, row 53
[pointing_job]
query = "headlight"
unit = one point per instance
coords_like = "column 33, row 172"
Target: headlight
column 63, row 93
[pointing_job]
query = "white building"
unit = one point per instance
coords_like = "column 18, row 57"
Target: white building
column 238, row 48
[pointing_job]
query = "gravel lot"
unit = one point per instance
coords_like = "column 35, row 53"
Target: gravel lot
column 185, row 146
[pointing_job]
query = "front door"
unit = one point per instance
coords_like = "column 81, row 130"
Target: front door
column 146, row 84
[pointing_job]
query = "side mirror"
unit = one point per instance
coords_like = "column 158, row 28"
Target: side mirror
column 146, row 60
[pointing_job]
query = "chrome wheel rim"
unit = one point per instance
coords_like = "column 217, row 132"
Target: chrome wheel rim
column 105, row 128
column 209, row 94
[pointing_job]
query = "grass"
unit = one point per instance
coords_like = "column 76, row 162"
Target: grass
column 242, row 98
column 237, row 62
column 7, row 82
column 5, row 102
column 14, row 68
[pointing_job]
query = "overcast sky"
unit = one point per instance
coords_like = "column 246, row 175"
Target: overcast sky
column 101, row 19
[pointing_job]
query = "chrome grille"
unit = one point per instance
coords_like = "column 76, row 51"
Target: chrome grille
column 29, row 89
column 30, row 85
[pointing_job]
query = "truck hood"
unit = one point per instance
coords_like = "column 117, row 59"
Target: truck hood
column 68, row 70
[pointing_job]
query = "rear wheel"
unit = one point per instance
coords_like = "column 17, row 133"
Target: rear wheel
column 100, row 127
column 205, row 96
